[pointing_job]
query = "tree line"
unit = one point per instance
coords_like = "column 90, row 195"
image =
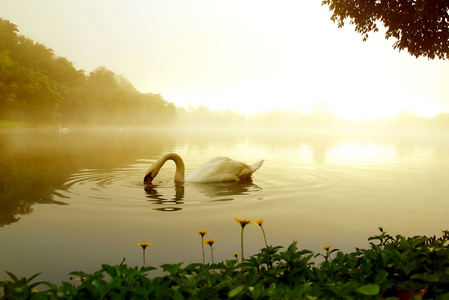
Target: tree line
column 36, row 86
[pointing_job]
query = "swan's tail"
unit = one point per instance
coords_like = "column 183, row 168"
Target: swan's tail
column 257, row 165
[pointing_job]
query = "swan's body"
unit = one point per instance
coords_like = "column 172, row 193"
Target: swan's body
column 218, row 169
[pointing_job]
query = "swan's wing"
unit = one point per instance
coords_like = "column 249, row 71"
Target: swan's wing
column 220, row 169
column 249, row 170
column 257, row 165
column 214, row 170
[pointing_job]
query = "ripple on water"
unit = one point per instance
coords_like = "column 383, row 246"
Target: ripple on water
column 117, row 186
column 122, row 188
column 297, row 182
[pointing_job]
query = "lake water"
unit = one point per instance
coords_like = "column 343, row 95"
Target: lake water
column 73, row 201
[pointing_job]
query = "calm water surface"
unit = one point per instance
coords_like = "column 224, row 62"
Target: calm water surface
column 74, row 201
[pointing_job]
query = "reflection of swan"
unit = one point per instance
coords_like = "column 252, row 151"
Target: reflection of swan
column 214, row 191
column 63, row 130
column 159, row 198
column 218, row 169
column 227, row 189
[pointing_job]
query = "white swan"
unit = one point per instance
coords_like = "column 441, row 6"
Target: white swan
column 218, row 169
column 63, row 130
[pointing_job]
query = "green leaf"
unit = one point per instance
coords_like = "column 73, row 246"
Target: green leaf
column 147, row 269
column 426, row 277
column 419, row 241
column 14, row 278
column 369, row 289
column 236, row 291
column 381, row 276
column 207, row 292
column 256, row 292
column 172, row 268
column 32, row 277
column 112, row 271
column 79, row 273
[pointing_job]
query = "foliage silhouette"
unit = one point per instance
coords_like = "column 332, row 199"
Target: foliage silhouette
column 421, row 27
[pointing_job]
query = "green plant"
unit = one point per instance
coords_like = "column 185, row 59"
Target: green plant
column 395, row 266
column 19, row 288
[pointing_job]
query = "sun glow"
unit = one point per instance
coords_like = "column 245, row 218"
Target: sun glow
column 382, row 109
column 368, row 109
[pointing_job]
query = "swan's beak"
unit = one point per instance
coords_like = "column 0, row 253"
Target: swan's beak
column 147, row 179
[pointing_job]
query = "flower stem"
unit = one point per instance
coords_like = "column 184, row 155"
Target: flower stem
column 241, row 243
column 144, row 257
column 264, row 237
column 212, row 254
column 202, row 245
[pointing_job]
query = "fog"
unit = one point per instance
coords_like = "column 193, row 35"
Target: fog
column 200, row 117
column 44, row 89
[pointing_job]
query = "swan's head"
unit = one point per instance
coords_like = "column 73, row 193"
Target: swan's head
column 150, row 175
column 147, row 179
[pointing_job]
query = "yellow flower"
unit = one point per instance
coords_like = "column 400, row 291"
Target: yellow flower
column 143, row 245
column 202, row 232
column 326, row 247
column 259, row 222
column 34, row 291
column 210, row 242
column 81, row 278
column 243, row 222
column 236, row 255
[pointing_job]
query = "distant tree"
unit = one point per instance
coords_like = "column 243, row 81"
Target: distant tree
column 8, row 35
column 421, row 26
column 29, row 91
column 25, row 94
column 153, row 110
column 103, row 101
column 37, row 86
column 125, row 84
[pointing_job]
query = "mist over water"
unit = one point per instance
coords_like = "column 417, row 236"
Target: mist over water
column 74, row 201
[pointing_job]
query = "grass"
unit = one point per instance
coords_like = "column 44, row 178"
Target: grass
column 392, row 267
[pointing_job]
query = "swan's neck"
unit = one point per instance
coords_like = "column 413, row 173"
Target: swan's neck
column 180, row 168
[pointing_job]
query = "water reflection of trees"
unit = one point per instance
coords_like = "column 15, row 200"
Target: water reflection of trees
column 35, row 164
column 28, row 176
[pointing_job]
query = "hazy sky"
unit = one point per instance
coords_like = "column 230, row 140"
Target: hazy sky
column 246, row 55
